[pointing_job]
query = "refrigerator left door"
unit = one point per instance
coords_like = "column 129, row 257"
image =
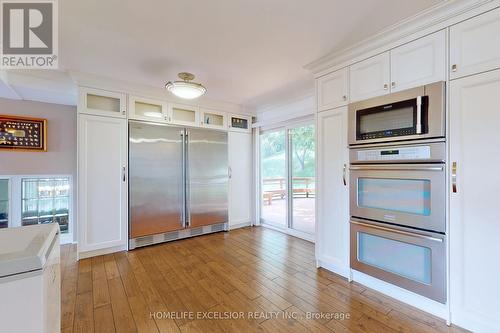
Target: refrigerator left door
column 156, row 179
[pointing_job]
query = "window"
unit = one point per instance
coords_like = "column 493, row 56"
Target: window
column 4, row 203
column 45, row 200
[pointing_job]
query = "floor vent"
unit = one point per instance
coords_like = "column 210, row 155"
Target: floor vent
column 143, row 241
column 197, row 231
column 170, row 236
column 217, row 227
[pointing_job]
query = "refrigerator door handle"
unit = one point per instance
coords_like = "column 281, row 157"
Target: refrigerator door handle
column 187, row 219
column 183, row 149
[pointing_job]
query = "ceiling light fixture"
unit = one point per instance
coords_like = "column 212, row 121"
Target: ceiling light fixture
column 185, row 88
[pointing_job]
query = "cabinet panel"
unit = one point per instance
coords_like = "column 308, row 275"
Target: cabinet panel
column 240, row 183
column 474, row 222
column 370, row 77
column 148, row 109
column 473, row 45
column 332, row 233
column 102, row 180
column 332, row 90
column 419, row 62
column 102, row 103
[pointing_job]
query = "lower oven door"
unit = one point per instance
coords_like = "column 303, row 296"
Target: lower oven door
column 410, row 260
column 410, row 195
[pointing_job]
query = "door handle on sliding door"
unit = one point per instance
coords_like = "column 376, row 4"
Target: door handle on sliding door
column 344, row 175
column 454, row 177
column 124, row 174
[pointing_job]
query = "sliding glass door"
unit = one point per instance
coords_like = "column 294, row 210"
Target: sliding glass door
column 288, row 178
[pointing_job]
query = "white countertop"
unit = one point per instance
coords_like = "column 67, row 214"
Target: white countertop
column 25, row 249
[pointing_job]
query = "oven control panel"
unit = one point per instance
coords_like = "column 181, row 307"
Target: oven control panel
column 395, row 154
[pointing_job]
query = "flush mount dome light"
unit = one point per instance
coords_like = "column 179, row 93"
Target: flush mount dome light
column 185, row 88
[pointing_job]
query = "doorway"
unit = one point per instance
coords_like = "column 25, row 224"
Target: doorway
column 288, row 164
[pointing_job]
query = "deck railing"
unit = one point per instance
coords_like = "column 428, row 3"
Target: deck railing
column 275, row 188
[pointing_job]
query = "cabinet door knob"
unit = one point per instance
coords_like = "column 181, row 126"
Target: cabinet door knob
column 386, row 86
column 344, row 98
column 123, row 112
column 454, row 68
column 393, row 84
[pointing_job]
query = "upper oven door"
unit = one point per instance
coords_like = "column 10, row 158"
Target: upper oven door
column 411, row 195
column 416, row 113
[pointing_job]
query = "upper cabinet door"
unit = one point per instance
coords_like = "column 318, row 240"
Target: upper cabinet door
column 102, row 103
column 180, row 114
column 370, row 77
column 419, row 62
column 473, row 45
column 148, row 109
column 332, row 90
column 213, row 119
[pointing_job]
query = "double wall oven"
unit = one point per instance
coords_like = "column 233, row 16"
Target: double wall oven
column 397, row 189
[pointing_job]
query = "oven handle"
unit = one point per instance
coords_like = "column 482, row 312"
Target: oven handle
column 411, row 234
column 396, row 168
column 419, row 115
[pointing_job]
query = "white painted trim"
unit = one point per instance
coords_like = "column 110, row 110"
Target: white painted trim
column 424, row 23
column 403, row 295
column 334, row 266
column 240, row 225
column 99, row 252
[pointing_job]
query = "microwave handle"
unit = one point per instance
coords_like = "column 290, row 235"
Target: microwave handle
column 419, row 115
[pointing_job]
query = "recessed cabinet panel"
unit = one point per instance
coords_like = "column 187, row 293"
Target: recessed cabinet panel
column 102, row 103
column 370, row 77
column 419, row 62
column 474, row 46
column 332, row 90
column 474, row 221
column 148, row 109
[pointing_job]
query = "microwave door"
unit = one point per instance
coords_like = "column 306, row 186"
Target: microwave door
column 400, row 194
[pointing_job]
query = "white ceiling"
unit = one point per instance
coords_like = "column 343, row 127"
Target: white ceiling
column 249, row 52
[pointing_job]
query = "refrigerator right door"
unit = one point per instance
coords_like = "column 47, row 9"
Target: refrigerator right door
column 207, row 177
column 156, row 179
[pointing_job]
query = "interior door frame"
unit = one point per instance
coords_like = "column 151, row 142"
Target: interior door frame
column 288, row 175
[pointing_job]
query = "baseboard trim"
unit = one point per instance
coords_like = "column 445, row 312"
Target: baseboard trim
column 100, row 252
column 334, row 268
column 240, row 225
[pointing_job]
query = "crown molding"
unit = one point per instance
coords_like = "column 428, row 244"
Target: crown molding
column 433, row 19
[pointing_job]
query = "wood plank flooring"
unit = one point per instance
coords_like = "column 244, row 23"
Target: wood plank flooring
column 264, row 280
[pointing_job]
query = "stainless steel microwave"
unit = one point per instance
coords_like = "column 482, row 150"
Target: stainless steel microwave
column 417, row 113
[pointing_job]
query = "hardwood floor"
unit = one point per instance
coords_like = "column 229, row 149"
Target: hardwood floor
column 265, row 280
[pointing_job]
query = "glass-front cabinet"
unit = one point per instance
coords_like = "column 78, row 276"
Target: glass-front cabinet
column 102, row 102
column 148, row 109
column 188, row 115
column 213, row 119
column 238, row 123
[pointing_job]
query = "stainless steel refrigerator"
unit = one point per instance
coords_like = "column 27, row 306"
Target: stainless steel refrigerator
column 178, row 182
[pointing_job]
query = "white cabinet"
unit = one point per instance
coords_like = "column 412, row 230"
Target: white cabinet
column 474, row 45
column 102, row 183
column 238, row 123
column 474, row 221
column 240, row 183
column 148, row 109
column 332, row 233
column 213, row 119
column 332, row 90
column 419, row 62
column 185, row 115
column 370, row 77
column 102, row 102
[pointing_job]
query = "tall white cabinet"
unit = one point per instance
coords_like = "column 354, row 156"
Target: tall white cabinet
column 102, row 176
column 474, row 218
column 240, row 183
column 332, row 233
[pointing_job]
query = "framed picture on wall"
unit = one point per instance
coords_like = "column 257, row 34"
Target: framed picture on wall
column 23, row 133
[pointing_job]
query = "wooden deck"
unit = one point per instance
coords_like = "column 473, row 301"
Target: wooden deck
column 256, row 271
